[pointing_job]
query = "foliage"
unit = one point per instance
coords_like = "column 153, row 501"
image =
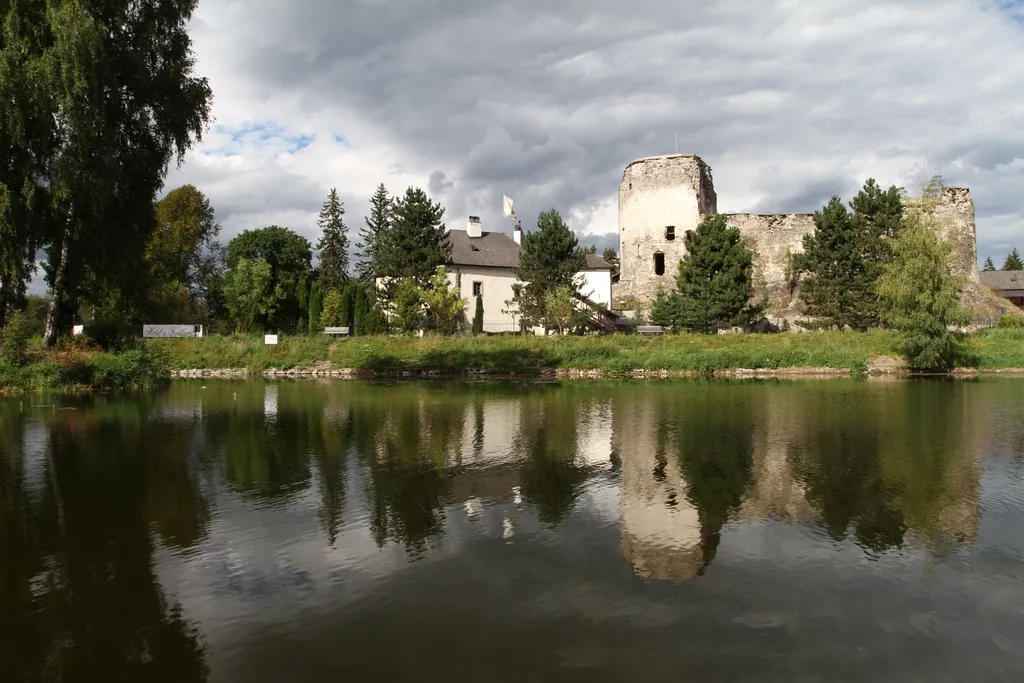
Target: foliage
column 550, row 257
column 612, row 257
column 415, row 244
column 407, row 306
column 1011, row 321
column 989, row 266
column 315, row 308
column 478, row 316
column 98, row 98
column 14, row 338
column 333, row 243
column 845, row 255
column 1013, row 261
column 713, row 281
column 289, row 257
column 330, row 316
column 371, row 236
column 182, row 253
column 251, row 293
column 919, row 294
column 445, row 308
column 559, row 307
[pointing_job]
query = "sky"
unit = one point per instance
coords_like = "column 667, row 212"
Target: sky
column 789, row 102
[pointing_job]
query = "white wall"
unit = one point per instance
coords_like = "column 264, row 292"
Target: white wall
column 597, row 286
column 496, row 287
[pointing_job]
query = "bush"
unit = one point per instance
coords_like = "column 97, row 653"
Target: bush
column 137, row 369
column 14, row 339
column 1011, row 321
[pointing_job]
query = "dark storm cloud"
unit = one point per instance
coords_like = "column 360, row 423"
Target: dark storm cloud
column 789, row 102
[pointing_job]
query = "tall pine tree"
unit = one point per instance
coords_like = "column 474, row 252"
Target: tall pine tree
column 550, row 257
column 371, row 235
column 1013, row 261
column 989, row 266
column 333, row 244
column 416, row 242
column 713, row 281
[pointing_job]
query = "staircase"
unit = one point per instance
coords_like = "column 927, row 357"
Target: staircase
column 601, row 318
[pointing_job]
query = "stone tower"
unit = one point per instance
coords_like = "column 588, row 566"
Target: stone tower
column 660, row 198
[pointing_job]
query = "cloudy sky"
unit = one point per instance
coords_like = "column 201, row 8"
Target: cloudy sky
column 789, row 101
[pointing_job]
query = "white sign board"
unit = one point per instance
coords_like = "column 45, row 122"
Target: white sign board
column 77, row 329
column 270, row 339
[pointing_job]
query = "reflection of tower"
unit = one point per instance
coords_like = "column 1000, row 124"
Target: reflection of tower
column 594, row 434
column 270, row 402
column 660, row 529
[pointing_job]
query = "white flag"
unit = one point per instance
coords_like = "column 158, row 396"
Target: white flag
column 509, row 213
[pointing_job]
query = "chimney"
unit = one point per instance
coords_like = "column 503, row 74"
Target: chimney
column 517, row 234
column 473, row 226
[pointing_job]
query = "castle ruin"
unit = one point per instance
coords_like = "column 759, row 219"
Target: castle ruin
column 662, row 197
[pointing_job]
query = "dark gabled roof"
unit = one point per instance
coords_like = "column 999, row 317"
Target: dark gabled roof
column 1003, row 279
column 493, row 249
column 498, row 250
column 595, row 262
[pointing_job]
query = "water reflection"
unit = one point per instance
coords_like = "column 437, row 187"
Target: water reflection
column 88, row 496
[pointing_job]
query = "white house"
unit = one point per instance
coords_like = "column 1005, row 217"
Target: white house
column 483, row 266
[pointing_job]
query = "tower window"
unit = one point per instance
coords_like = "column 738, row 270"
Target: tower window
column 478, row 288
column 659, row 263
column 670, row 232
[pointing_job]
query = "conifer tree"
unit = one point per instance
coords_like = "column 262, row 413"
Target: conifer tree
column 550, row 257
column 1013, row 261
column 333, row 243
column 714, row 281
column 989, row 266
column 416, row 242
column 315, row 307
column 371, row 235
column 478, row 317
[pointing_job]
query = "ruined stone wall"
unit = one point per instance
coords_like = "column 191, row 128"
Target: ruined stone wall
column 678, row 190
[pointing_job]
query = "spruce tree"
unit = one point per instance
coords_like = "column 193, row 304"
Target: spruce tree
column 333, row 244
column 478, row 317
column 989, row 266
column 550, row 257
column 714, row 281
column 1013, row 261
column 416, row 242
column 371, row 235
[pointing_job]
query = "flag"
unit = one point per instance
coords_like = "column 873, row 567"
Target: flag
column 509, row 213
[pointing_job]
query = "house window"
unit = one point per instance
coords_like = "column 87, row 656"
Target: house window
column 478, row 288
column 659, row 263
column 670, row 232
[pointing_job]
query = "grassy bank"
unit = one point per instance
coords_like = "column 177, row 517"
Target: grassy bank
column 80, row 367
column 617, row 353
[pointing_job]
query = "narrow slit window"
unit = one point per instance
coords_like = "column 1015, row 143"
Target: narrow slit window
column 659, row 263
column 478, row 288
column 670, row 232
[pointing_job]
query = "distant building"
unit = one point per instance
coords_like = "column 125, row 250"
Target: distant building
column 483, row 265
column 1008, row 284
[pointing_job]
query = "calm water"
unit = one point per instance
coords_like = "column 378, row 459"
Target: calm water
column 819, row 531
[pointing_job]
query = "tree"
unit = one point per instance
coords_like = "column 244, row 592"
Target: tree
column 333, row 243
column 98, row 97
column 559, row 307
column 550, row 257
column 445, row 308
column 714, row 280
column 331, row 315
column 182, row 252
column 416, row 242
column 1013, row 261
column 251, row 294
column 371, row 236
column 289, row 257
column 611, row 257
column 478, row 316
column 845, row 255
column 919, row 293
column 407, row 306
column 316, row 307
column 989, row 266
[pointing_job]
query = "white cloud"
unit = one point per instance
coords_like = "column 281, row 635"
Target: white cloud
column 789, row 102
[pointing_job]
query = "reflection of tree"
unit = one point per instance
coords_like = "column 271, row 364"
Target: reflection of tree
column 80, row 596
column 547, row 443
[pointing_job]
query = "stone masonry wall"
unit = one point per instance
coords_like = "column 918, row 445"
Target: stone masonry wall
column 678, row 190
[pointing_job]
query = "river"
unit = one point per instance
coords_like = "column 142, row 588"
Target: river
column 844, row 530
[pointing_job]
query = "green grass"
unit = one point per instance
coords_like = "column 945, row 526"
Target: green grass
column 79, row 370
column 994, row 348
column 616, row 353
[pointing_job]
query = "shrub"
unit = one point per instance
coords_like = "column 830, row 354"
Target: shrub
column 1010, row 320
column 14, row 339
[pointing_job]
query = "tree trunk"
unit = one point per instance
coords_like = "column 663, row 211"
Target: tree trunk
column 57, row 295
